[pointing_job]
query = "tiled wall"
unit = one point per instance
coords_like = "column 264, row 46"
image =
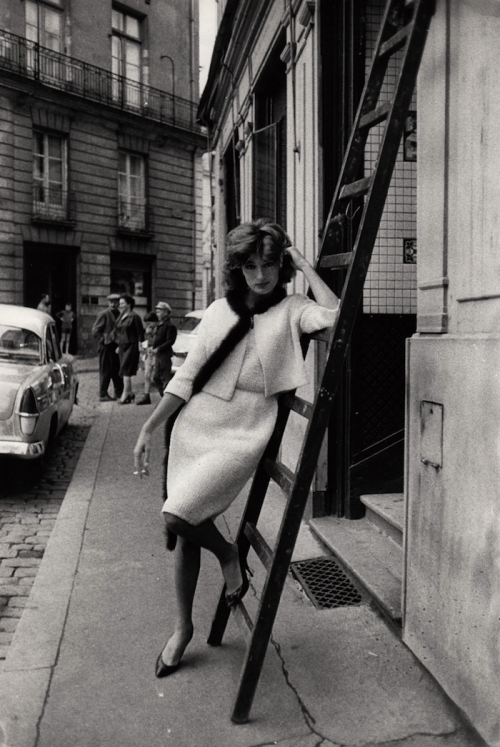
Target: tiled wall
column 391, row 283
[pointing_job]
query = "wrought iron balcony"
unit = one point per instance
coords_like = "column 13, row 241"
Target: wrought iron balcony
column 53, row 205
column 29, row 59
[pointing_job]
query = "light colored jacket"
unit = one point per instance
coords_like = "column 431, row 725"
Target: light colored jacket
column 277, row 339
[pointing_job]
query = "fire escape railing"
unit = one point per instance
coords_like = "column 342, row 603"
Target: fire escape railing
column 24, row 57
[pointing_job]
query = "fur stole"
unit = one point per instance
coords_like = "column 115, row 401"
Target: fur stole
column 236, row 300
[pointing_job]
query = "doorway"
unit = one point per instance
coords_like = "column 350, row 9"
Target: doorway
column 366, row 433
column 51, row 269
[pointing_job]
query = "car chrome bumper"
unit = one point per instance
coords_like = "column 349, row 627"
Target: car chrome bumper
column 21, row 449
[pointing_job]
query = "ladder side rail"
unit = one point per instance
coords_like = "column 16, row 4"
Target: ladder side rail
column 276, row 578
column 388, row 150
column 354, row 154
column 351, row 298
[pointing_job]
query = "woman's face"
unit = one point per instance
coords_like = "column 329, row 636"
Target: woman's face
column 261, row 274
column 123, row 305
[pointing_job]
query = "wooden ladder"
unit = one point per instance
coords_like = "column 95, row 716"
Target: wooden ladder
column 402, row 36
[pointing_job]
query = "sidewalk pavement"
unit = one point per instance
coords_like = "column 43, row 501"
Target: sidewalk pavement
column 80, row 670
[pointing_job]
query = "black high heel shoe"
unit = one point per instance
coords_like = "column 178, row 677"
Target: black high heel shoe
column 127, row 401
column 164, row 670
column 236, row 596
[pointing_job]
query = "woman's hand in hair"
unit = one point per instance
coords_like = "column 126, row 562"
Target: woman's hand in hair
column 321, row 292
column 299, row 261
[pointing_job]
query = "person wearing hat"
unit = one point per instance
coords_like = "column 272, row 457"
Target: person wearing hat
column 109, row 363
column 166, row 334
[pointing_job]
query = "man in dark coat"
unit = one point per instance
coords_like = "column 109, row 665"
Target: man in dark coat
column 109, row 363
column 165, row 336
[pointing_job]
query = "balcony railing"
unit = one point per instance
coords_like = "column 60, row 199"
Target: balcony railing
column 27, row 58
column 53, row 206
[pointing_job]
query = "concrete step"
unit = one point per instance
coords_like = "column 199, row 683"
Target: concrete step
column 374, row 559
column 387, row 513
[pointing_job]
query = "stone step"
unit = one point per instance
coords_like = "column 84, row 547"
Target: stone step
column 387, row 512
column 373, row 559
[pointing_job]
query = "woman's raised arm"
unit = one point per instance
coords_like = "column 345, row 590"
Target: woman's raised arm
column 322, row 293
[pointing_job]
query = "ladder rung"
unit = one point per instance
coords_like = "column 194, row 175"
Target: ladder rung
column 244, row 621
column 336, row 261
column 281, row 475
column 323, row 335
column 298, row 405
column 375, row 116
column 355, row 189
column 395, row 42
column 259, row 544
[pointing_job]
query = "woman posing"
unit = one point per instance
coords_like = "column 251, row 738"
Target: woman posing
column 247, row 352
column 129, row 335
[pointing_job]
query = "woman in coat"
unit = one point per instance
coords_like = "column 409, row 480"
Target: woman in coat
column 129, row 333
column 246, row 353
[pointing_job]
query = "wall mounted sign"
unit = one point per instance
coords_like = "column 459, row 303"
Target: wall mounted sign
column 409, row 251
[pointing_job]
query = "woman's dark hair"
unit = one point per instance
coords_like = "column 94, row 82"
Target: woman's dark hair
column 257, row 237
column 128, row 300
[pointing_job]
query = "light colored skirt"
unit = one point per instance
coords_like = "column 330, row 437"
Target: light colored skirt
column 215, row 448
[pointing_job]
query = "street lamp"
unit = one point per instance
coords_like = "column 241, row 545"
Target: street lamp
column 167, row 57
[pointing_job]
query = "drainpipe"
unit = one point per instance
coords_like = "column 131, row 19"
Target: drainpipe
column 194, row 231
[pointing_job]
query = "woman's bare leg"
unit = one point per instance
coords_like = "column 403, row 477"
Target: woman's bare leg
column 187, row 569
column 207, row 535
column 127, row 388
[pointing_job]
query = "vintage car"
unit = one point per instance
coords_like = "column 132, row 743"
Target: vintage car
column 38, row 386
column 187, row 329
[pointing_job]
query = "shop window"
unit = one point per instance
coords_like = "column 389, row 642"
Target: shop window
column 50, row 193
column 131, row 192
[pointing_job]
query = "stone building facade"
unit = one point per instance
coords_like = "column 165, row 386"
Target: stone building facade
column 100, row 155
column 406, row 494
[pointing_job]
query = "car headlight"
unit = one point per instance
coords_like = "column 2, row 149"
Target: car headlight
column 28, row 413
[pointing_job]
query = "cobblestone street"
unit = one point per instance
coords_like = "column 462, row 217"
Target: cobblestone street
column 29, row 506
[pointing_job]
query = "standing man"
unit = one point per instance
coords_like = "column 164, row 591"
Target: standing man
column 45, row 304
column 109, row 363
column 165, row 336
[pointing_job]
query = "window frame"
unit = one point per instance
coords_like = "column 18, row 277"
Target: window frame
column 41, row 31
column 126, row 87
column 133, row 216
column 44, row 206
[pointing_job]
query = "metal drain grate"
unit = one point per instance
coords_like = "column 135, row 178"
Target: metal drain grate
column 325, row 583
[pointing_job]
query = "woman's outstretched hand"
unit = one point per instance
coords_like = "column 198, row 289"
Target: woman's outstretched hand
column 141, row 454
column 168, row 404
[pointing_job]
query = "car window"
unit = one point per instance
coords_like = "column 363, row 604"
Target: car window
column 19, row 343
column 188, row 324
